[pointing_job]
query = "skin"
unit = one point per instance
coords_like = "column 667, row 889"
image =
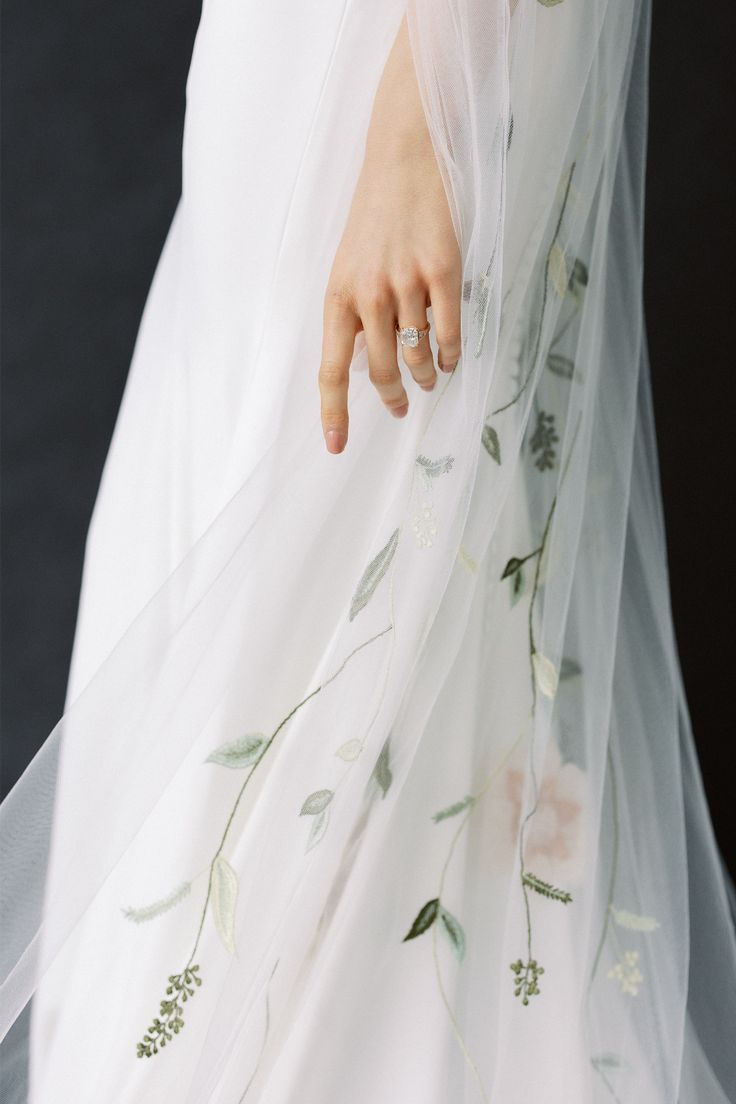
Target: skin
column 397, row 256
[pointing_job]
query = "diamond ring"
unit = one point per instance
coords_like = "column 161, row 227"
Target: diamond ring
column 410, row 335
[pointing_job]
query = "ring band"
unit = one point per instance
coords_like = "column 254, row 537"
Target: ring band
column 410, row 335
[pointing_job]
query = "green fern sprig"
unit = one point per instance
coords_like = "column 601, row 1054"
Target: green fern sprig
column 545, row 889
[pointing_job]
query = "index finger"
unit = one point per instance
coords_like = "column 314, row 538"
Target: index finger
column 340, row 327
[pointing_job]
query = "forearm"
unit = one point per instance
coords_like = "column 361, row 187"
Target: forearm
column 398, row 127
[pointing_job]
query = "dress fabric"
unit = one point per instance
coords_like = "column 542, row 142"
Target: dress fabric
column 376, row 781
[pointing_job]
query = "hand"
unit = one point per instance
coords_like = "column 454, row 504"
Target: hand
column 397, row 256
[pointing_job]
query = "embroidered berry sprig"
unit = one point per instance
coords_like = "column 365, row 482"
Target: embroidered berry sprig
column 180, row 988
column 526, row 978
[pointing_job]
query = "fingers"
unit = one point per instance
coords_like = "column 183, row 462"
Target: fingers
column 345, row 315
column 383, row 367
column 445, row 296
column 412, row 311
column 340, row 327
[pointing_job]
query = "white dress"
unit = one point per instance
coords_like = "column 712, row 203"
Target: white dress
column 376, row 782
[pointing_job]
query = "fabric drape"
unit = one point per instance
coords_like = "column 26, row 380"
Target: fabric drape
column 376, row 779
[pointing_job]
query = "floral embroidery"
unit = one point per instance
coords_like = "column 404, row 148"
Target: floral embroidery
column 181, row 987
column 148, row 912
column 633, row 922
column 373, row 574
column 554, row 846
column 381, row 778
column 222, row 887
column 526, row 978
column 545, row 889
column 466, row 560
column 266, row 1029
column 491, row 443
column 238, row 753
column 627, row 973
column 317, row 807
column 543, row 441
column 424, row 523
column 451, row 927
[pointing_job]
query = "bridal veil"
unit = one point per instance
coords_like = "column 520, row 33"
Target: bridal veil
column 376, row 780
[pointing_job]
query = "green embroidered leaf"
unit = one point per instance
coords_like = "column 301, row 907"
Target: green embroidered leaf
column 608, row 1061
column 466, row 560
column 316, row 802
column 545, row 889
column 373, row 574
column 545, row 674
column 350, row 750
column 453, row 810
column 238, row 753
column 561, row 366
column 543, row 441
column 382, row 770
column 454, row 932
column 318, row 828
column 517, row 586
column 423, row 920
column 224, row 899
column 433, row 468
column 549, row 3
column 148, row 912
column 569, row 668
column 511, row 567
column 556, row 263
column 634, row 922
column 491, row 443
column 578, row 278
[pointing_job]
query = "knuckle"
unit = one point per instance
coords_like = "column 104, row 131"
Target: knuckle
column 374, row 296
column 382, row 375
column 443, row 271
column 415, row 357
column 409, row 284
column 395, row 402
column 334, row 416
column 449, row 336
column 338, row 298
column 332, row 373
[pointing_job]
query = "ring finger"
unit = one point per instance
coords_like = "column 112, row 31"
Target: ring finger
column 383, row 368
column 418, row 358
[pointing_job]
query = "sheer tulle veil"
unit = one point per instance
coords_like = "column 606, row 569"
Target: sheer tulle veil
column 376, row 778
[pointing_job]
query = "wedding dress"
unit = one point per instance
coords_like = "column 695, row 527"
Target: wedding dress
column 376, row 782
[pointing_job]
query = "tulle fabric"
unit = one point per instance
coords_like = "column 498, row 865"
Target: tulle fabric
column 377, row 770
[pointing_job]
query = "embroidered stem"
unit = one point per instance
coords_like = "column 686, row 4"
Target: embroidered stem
column 266, row 1029
column 614, row 866
column 531, row 964
column 453, row 1020
column 472, row 805
column 266, row 747
column 543, row 311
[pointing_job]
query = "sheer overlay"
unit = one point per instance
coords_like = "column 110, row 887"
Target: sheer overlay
column 376, row 779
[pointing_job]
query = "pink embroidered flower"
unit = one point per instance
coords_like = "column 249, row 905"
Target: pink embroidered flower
column 554, row 838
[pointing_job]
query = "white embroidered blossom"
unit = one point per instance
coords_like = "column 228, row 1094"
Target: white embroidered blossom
column 627, row 973
column 425, row 525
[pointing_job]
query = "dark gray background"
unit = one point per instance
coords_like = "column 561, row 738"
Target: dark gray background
column 93, row 108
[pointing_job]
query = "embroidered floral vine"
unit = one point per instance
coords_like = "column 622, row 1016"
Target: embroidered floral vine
column 222, row 887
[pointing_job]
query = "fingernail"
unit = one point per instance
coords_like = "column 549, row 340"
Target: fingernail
column 449, row 367
column 428, row 386
column 399, row 411
column 335, row 440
